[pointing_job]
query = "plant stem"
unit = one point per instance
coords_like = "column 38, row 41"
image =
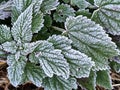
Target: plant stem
column 58, row 29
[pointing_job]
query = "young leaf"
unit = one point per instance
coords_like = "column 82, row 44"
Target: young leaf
column 59, row 83
column 10, row 47
column 108, row 15
column 29, row 47
column 34, row 74
column 21, row 29
column 79, row 63
column 89, row 83
column 49, row 5
column 91, row 39
column 5, row 34
column 51, row 60
column 104, row 80
column 15, row 69
column 62, row 12
column 5, row 9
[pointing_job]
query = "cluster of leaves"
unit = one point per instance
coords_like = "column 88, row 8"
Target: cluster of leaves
column 80, row 51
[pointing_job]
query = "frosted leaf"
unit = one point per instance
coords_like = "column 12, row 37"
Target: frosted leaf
column 5, row 9
column 10, row 47
column 51, row 60
column 59, row 83
column 34, row 74
column 15, row 69
column 33, row 58
column 29, row 47
column 21, row 29
column 37, row 22
column 80, row 64
column 91, row 39
column 49, row 5
column 108, row 15
column 82, row 4
column 62, row 12
column 104, row 79
column 5, row 34
column 88, row 83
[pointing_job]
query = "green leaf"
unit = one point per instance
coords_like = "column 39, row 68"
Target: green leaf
column 48, row 21
column 82, row 4
column 34, row 74
column 51, row 60
column 49, row 5
column 5, row 34
column 104, row 79
column 89, row 83
column 15, row 69
column 62, row 12
column 2, row 53
column 79, row 63
column 59, row 83
column 37, row 22
column 108, row 15
column 21, row 29
column 29, row 47
column 10, row 47
column 91, row 39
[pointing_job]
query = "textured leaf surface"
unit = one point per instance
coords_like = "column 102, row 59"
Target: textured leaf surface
column 108, row 15
column 21, row 29
column 37, row 22
column 91, row 39
column 82, row 4
column 10, row 47
column 104, row 80
column 5, row 9
column 15, row 69
column 5, row 34
column 34, row 74
column 79, row 63
column 49, row 5
column 51, row 60
column 62, row 12
column 29, row 47
column 89, row 83
column 59, row 83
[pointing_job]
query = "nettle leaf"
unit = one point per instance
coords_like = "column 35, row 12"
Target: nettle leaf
column 49, row 5
column 10, row 47
column 79, row 63
column 34, row 74
column 108, row 15
column 51, row 60
column 5, row 9
column 37, row 22
column 59, row 83
column 82, row 4
column 62, row 12
column 33, row 58
column 5, row 34
column 29, row 47
column 91, row 39
column 15, row 69
column 104, row 79
column 88, row 83
column 21, row 29
column 2, row 53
